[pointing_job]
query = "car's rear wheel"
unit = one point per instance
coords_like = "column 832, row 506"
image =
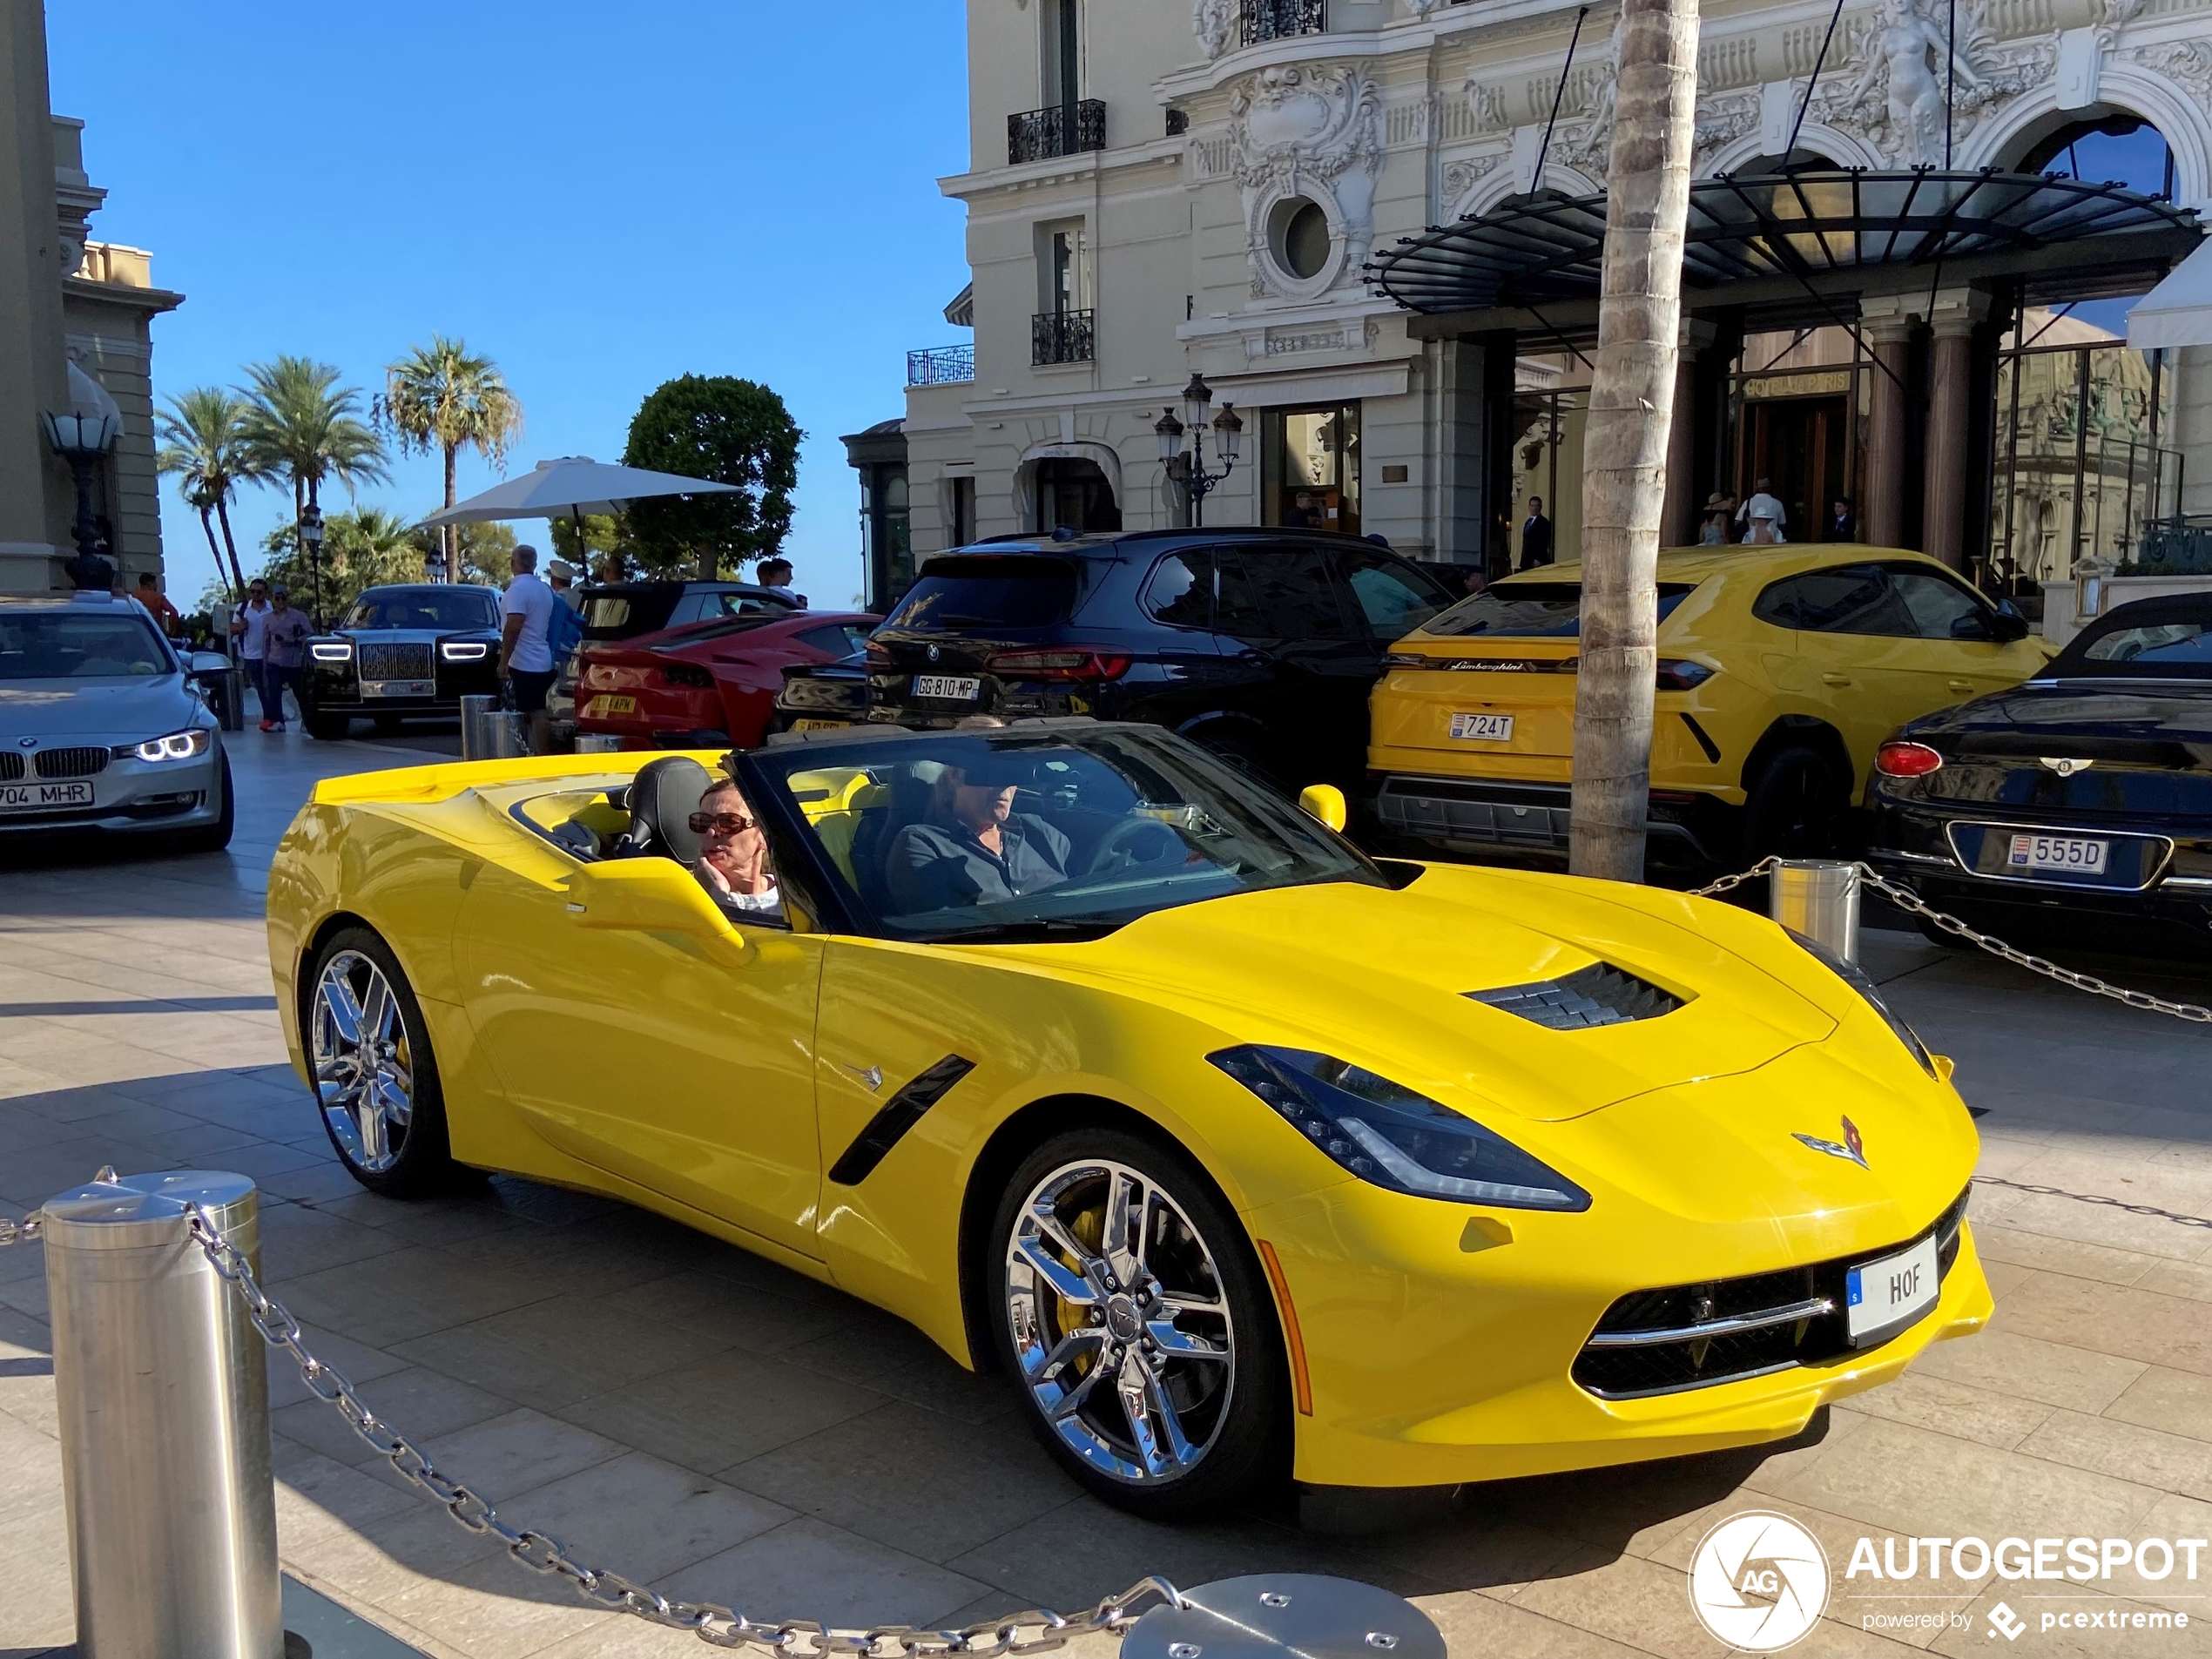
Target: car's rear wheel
column 1795, row 809
column 1129, row 1310
column 375, row 1076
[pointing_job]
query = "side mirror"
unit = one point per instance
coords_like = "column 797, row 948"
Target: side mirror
column 206, row 662
column 651, row 895
column 1325, row 802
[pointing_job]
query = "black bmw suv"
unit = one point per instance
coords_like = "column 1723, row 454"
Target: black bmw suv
column 1260, row 644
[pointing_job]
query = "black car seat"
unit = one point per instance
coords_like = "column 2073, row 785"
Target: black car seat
column 911, row 796
column 662, row 796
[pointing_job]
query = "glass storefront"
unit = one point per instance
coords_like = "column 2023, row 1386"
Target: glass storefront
column 1548, row 463
column 1798, row 420
column 1310, row 467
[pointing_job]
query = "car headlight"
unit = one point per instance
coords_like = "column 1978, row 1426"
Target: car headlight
column 464, row 651
column 178, row 745
column 1861, row 982
column 1386, row 1133
column 338, row 652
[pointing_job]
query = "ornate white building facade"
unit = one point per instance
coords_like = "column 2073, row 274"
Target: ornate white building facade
column 1161, row 187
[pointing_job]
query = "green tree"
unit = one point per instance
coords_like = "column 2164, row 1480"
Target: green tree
column 204, row 447
column 730, row 430
column 365, row 548
column 445, row 398
column 603, row 552
column 304, row 427
column 484, row 549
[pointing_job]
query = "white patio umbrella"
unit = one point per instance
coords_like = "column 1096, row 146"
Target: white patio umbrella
column 575, row 485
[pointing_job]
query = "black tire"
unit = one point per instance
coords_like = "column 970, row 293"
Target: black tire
column 1796, row 808
column 387, row 725
column 214, row 837
column 1234, row 1412
column 325, row 727
column 416, row 1160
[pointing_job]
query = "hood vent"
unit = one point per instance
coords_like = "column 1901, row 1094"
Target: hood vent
column 1598, row 994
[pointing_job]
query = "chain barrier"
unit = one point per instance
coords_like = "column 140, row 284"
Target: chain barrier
column 1913, row 904
column 1037, row 1630
column 2095, row 1199
column 20, row 1232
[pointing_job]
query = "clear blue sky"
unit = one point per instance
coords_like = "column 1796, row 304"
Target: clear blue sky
column 600, row 196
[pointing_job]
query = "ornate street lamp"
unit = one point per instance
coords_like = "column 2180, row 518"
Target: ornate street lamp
column 84, row 439
column 1187, row 468
column 311, row 538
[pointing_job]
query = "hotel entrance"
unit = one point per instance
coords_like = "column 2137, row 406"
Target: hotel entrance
column 1797, row 433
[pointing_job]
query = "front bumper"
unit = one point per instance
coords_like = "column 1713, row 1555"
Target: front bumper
column 128, row 797
column 336, row 688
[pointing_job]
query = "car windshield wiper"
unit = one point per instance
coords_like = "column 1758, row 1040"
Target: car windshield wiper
column 1030, row 932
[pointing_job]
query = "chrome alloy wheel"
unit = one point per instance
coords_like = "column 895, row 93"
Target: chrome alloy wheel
column 1120, row 1322
column 364, row 1071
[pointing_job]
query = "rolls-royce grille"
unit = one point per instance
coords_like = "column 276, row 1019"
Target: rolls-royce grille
column 395, row 661
column 11, row 766
column 1694, row 1335
column 1598, row 994
column 70, row 763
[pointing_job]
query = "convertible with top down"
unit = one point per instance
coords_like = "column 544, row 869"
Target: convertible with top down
column 1244, row 1156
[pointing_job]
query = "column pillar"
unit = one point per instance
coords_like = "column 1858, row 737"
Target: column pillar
column 36, row 497
column 1887, row 327
column 1500, row 356
column 1461, row 449
column 1943, row 499
column 1686, row 488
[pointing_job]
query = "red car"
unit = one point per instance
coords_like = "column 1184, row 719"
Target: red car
column 705, row 683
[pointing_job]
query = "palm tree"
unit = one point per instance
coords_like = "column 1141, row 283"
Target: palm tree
column 442, row 397
column 203, row 444
column 1624, row 454
column 303, row 427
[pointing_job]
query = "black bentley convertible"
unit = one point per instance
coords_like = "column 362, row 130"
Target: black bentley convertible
column 2079, row 803
column 402, row 651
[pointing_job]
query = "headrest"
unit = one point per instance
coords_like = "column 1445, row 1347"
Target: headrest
column 662, row 796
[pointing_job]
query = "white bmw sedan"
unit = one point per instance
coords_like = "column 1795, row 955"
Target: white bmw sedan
column 104, row 728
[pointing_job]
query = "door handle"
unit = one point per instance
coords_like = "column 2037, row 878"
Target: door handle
column 1961, row 685
column 1835, row 679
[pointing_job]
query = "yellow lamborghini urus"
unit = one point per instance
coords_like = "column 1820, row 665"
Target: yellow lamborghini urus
column 1243, row 1155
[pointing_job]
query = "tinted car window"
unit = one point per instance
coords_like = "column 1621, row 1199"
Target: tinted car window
column 839, row 639
column 61, row 644
column 2180, row 647
column 742, row 605
column 1394, row 600
column 1278, row 593
column 625, row 613
column 1848, row 599
column 444, row 608
column 1535, row 611
column 953, row 594
column 1940, row 609
column 1180, row 590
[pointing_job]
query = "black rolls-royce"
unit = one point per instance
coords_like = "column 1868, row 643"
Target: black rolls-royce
column 2077, row 805
column 403, row 652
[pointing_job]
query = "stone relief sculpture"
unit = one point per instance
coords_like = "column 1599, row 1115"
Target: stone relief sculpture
column 1311, row 129
column 1905, row 76
column 1909, row 61
column 1461, row 176
column 1215, row 23
column 1721, row 119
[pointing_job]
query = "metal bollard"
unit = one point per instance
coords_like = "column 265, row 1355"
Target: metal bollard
column 1820, row 898
column 165, row 1423
column 490, row 732
column 598, row 743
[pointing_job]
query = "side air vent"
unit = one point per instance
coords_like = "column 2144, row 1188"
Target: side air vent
column 1598, row 994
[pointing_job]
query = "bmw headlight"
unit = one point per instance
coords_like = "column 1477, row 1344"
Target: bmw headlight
column 1385, row 1133
column 332, row 652
column 178, row 745
column 1861, row 982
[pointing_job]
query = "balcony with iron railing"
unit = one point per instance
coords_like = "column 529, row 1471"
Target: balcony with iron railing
column 940, row 365
column 1263, row 20
column 1062, row 130
column 1062, row 337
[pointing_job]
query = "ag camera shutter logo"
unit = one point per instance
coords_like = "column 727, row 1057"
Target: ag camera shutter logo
column 1759, row 1582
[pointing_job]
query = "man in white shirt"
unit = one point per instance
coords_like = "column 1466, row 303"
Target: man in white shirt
column 249, row 626
column 525, row 647
column 1764, row 516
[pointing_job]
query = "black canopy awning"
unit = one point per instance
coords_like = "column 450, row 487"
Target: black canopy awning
column 1821, row 232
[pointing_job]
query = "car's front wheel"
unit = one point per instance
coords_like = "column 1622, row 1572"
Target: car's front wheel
column 375, row 1076
column 1129, row 1310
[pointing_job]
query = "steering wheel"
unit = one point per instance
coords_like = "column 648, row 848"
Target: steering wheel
column 1136, row 840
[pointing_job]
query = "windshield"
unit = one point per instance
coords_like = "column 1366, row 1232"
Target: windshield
column 1012, row 836
column 2172, row 650
column 62, row 644
column 442, row 610
column 1534, row 610
column 987, row 593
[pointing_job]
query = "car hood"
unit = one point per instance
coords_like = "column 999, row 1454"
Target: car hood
column 1380, row 977
column 116, row 710
column 2168, row 711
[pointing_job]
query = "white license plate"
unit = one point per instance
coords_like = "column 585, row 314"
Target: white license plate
column 399, row 688
column 1892, row 1291
column 2059, row 853
column 40, row 798
column 951, row 687
column 1482, row 728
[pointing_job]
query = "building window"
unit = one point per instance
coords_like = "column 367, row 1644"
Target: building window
column 1302, row 239
column 886, row 525
column 1063, row 329
column 959, row 511
column 1546, row 440
column 1310, row 467
column 1275, row 19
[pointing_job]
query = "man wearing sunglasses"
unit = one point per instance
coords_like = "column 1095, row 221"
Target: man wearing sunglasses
column 733, row 855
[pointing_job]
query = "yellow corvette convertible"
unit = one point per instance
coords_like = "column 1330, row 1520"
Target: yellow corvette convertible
column 1243, row 1155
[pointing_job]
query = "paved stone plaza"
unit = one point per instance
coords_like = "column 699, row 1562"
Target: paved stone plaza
column 687, row 1415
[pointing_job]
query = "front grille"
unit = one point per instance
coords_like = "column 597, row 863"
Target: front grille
column 394, row 662
column 11, row 766
column 1598, row 994
column 70, row 763
column 1694, row 1335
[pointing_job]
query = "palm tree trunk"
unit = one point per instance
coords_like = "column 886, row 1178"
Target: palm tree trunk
column 710, row 564
column 1632, row 399
column 214, row 550
column 238, row 571
column 451, row 533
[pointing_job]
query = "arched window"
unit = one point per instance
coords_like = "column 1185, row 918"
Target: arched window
column 2116, row 149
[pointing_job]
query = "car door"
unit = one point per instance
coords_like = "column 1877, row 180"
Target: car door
column 657, row 1054
column 1855, row 658
column 1963, row 651
column 1292, row 623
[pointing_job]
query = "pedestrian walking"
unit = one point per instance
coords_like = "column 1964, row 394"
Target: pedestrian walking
column 564, row 632
column 1842, row 523
column 1763, row 516
column 1535, row 535
column 285, row 653
column 249, row 627
column 526, row 664
column 776, row 573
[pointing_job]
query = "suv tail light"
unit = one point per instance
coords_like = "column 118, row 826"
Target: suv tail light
column 879, row 655
column 1906, row 760
column 1075, row 664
